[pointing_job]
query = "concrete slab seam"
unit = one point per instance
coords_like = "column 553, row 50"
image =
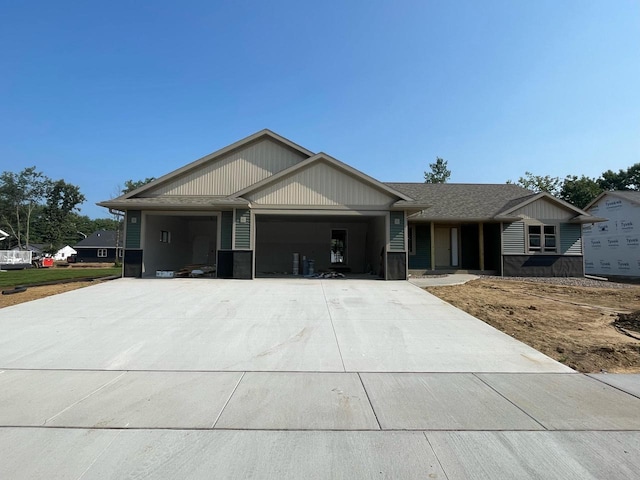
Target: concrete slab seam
column 512, row 403
column 369, row 400
column 435, row 455
column 609, row 385
column 102, row 452
column 110, row 382
column 213, row 425
column 335, row 335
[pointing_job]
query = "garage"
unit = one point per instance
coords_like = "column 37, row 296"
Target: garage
column 173, row 240
column 343, row 243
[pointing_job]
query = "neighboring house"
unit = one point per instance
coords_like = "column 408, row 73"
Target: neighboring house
column 249, row 207
column 64, row 252
column 101, row 247
column 612, row 248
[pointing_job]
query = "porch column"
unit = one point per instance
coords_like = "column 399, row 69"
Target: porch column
column 433, row 245
column 481, row 242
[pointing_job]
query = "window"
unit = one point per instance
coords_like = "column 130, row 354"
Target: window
column 165, row 237
column 542, row 238
column 102, row 253
column 411, row 240
column 120, row 252
column 339, row 246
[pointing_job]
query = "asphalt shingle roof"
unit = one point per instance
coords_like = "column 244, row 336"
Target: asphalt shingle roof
column 463, row 201
column 100, row 239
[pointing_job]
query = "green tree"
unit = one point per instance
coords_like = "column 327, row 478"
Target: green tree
column 439, row 172
column 131, row 185
column 538, row 183
column 579, row 191
column 20, row 195
column 628, row 179
column 62, row 200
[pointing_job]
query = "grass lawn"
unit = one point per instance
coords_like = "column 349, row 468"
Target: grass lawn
column 35, row 276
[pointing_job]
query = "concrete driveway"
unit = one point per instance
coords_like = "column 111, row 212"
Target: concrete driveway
column 293, row 378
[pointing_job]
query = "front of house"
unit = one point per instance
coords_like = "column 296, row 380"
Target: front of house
column 260, row 205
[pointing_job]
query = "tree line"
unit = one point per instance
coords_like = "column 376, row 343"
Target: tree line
column 36, row 209
column 579, row 191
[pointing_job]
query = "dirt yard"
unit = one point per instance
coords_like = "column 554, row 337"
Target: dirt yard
column 34, row 293
column 575, row 325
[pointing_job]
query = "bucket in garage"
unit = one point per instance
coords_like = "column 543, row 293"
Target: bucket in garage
column 296, row 264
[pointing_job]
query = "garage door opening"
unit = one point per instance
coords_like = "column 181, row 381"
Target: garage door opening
column 172, row 242
column 346, row 243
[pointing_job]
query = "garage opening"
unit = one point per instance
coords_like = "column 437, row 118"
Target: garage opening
column 345, row 243
column 172, row 242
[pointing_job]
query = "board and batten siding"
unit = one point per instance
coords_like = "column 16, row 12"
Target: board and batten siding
column 543, row 210
column 513, row 238
column 226, row 230
column 422, row 257
column 134, row 229
column 396, row 231
column 320, row 184
column 570, row 239
column 243, row 229
column 232, row 172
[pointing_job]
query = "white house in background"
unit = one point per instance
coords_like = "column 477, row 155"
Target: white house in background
column 3, row 235
column 64, row 252
column 612, row 248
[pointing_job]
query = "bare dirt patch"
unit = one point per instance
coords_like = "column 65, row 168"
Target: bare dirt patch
column 34, row 293
column 574, row 325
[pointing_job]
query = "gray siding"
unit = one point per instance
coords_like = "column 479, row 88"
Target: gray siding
column 543, row 209
column 396, row 231
column 233, row 172
column 321, row 184
column 513, row 238
column 243, row 229
column 134, row 227
column 422, row 257
column 570, row 239
column 226, row 228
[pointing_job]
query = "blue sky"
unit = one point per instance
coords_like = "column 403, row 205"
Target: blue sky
column 100, row 92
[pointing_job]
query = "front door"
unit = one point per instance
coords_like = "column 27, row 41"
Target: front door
column 443, row 246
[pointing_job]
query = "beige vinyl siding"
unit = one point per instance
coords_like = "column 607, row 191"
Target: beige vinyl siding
column 513, row 238
column 320, row 184
column 134, row 227
column 570, row 239
column 233, row 172
column 544, row 210
column 396, row 231
column 243, row 229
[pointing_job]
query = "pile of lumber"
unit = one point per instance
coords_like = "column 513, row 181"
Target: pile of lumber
column 196, row 270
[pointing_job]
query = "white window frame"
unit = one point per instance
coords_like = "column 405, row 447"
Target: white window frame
column 542, row 249
column 102, row 251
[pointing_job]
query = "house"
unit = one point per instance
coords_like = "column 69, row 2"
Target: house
column 64, row 252
column 255, row 207
column 502, row 229
column 612, row 248
column 102, row 246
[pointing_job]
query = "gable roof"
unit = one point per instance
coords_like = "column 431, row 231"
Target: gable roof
column 479, row 202
column 463, row 201
column 262, row 134
column 101, row 239
column 337, row 164
column 628, row 195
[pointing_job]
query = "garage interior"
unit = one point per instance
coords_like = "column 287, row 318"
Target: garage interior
column 344, row 243
column 170, row 242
